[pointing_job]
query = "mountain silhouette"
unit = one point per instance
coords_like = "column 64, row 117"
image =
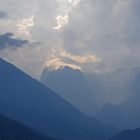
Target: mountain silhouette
column 29, row 102
column 111, row 114
column 71, row 85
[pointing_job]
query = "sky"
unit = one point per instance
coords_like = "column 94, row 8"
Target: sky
column 90, row 35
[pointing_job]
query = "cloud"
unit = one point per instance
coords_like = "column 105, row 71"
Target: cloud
column 61, row 58
column 74, row 2
column 57, row 63
column 90, row 30
column 26, row 58
column 81, row 59
column 62, row 21
column 65, row 8
column 25, row 24
column 3, row 15
column 7, row 41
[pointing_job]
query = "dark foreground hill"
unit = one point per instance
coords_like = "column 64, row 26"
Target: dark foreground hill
column 12, row 130
column 127, row 135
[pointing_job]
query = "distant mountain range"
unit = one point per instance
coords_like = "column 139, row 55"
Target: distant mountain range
column 27, row 101
column 111, row 114
column 71, row 84
column 113, row 87
column 127, row 114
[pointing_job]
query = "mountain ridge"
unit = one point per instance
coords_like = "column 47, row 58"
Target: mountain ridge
column 72, row 86
column 31, row 103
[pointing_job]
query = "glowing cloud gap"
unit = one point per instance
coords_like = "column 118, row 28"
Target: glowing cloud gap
column 25, row 24
column 57, row 63
column 81, row 59
column 62, row 21
column 74, row 2
column 61, row 58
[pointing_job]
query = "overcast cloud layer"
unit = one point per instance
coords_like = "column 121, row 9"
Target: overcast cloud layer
column 94, row 35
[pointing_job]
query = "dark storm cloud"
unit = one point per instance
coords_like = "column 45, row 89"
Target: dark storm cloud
column 7, row 40
column 3, row 15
